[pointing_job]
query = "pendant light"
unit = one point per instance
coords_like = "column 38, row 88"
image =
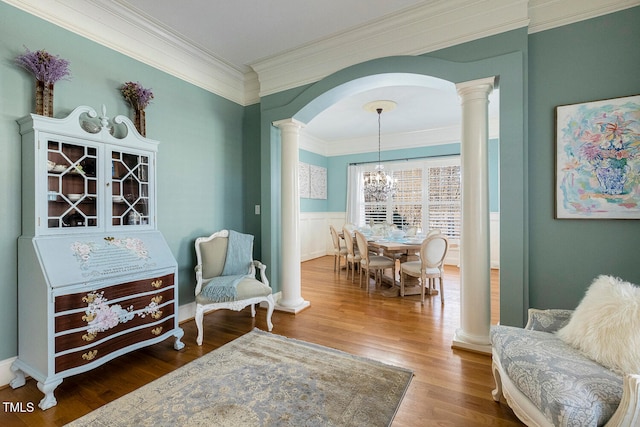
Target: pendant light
column 379, row 186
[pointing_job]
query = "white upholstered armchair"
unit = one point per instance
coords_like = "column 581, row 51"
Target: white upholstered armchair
column 226, row 276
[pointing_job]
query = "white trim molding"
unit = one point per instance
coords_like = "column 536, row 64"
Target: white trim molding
column 119, row 27
column 426, row 28
column 414, row 31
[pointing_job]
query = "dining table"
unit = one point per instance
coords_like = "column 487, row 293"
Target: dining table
column 403, row 250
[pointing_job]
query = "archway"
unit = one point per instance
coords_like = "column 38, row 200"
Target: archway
column 302, row 106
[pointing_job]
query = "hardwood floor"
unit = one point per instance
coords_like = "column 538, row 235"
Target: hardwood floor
column 450, row 387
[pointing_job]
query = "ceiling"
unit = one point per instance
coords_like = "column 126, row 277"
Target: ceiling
column 266, row 28
column 241, row 32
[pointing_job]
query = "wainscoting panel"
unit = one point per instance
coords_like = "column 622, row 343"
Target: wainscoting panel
column 314, row 231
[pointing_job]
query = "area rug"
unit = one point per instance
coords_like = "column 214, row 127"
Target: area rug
column 263, row 379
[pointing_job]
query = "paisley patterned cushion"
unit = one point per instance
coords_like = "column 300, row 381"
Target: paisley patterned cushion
column 567, row 387
column 549, row 320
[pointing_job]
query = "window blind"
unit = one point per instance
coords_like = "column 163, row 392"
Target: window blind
column 428, row 196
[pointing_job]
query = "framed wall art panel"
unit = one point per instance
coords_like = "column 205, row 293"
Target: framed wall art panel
column 318, row 182
column 598, row 159
column 303, row 180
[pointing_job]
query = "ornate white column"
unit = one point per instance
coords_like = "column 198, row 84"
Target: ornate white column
column 475, row 266
column 291, row 299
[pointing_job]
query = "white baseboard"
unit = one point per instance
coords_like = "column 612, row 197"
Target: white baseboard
column 5, row 371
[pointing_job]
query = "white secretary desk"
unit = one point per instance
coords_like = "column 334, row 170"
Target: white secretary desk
column 96, row 279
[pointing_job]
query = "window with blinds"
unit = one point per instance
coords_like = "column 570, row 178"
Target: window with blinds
column 427, row 196
column 444, row 203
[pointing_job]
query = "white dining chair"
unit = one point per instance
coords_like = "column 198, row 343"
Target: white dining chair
column 430, row 266
column 353, row 255
column 369, row 262
column 339, row 250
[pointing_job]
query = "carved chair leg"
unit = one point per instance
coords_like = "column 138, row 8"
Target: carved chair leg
column 199, row 319
column 271, row 305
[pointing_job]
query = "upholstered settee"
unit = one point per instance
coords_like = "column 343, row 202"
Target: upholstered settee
column 550, row 378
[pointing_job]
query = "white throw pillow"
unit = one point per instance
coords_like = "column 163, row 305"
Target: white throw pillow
column 606, row 325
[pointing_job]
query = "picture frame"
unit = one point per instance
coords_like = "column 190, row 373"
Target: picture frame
column 317, row 182
column 597, row 170
column 304, row 178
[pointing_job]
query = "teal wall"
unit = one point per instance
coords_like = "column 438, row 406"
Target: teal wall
column 251, row 174
column 337, row 172
column 586, row 61
column 201, row 162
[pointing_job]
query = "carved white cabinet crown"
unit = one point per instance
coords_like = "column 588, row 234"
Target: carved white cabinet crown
column 96, row 278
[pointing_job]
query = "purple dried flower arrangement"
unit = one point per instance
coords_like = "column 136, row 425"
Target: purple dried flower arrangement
column 136, row 95
column 45, row 67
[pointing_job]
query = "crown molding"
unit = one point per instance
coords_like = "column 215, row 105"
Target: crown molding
column 425, row 28
column 548, row 14
column 398, row 141
column 128, row 31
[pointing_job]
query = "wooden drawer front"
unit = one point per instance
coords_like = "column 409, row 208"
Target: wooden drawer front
column 79, row 300
column 79, row 319
column 82, row 338
column 88, row 355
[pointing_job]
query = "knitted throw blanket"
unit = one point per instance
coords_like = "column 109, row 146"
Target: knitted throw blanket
column 224, row 288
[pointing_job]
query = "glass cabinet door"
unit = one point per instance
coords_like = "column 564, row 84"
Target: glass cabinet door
column 72, row 187
column 129, row 189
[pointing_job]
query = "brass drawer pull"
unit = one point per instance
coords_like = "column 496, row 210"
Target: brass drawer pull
column 89, row 298
column 157, row 299
column 88, row 317
column 90, row 355
column 157, row 331
column 157, row 283
column 156, row 315
column 88, row 336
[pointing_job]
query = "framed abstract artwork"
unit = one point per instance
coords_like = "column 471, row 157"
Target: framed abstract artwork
column 598, row 159
column 318, row 182
column 303, row 180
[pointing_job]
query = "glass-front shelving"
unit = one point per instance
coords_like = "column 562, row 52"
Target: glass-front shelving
column 72, row 190
column 130, row 189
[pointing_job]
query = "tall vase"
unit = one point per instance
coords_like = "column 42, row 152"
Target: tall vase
column 44, row 98
column 139, row 121
column 49, row 99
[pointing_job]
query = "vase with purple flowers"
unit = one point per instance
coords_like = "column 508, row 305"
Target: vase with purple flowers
column 139, row 98
column 47, row 69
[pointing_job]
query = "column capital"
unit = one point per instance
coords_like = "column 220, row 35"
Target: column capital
column 289, row 124
column 481, row 86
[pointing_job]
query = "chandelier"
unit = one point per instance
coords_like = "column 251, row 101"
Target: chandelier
column 378, row 186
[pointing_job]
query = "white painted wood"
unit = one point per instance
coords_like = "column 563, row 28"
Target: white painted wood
column 290, row 236
column 475, row 275
column 51, row 267
column 424, row 29
column 314, row 229
column 494, row 239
